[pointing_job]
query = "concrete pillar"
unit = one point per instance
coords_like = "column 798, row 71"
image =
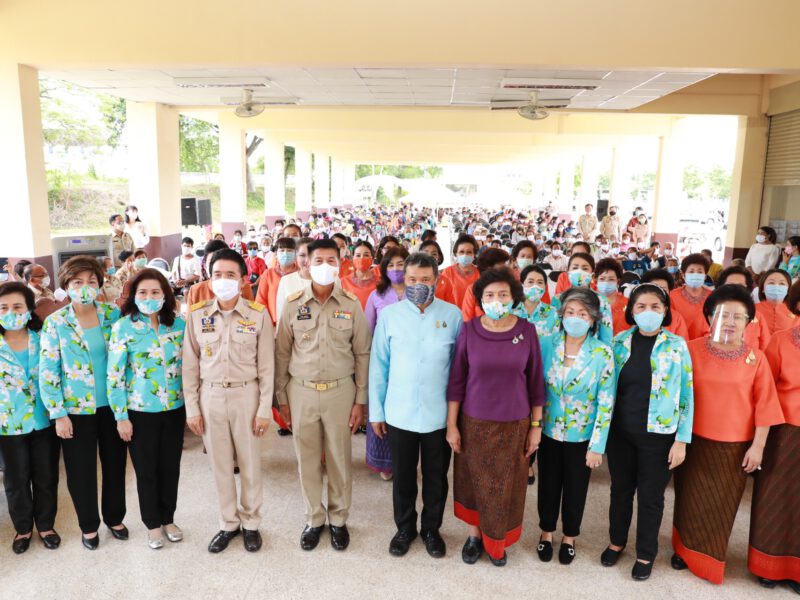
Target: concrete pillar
column 302, row 183
column 621, row 183
column 25, row 229
column 322, row 182
column 154, row 174
column 747, row 185
column 566, row 187
column 349, row 177
column 274, row 180
column 669, row 190
column 232, row 176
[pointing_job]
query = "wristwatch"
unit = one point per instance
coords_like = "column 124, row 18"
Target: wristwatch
column 535, row 423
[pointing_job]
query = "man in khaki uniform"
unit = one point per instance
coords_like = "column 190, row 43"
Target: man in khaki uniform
column 321, row 365
column 228, row 382
column 611, row 226
column 587, row 224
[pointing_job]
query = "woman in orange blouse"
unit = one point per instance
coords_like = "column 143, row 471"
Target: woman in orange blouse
column 773, row 287
column 362, row 281
column 607, row 275
column 663, row 279
column 462, row 274
column 735, row 404
column 757, row 334
column 688, row 300
column 774, row 554
column 489, row 259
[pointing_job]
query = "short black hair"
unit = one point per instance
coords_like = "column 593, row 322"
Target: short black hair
column 113, row 218
column 729, row 293
column 520, row 246
column 17, row 287
column 498, row 275
column 648, row 288
column 421, row 259
column 608, row 264
column 187, row 240
column 582, row 255
column 287, row 243
column 166, row 315
column 228, row 254
column 533, row 268
column 340, row 236
column 695, row 259
column 139, row 253
column 491, row 257
column 434, row 244
column 428, row 234
column 465, row 238
column 655, row 274
column 763, row 280
column 322, row 245
column 735, row 270
column 586, row 245
column 20, row 266
column 125, row 255
column 772, row 236
column 213, row 246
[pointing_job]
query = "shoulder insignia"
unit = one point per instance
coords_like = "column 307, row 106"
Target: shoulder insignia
column 295, row 296
column 350, row 295
column 197, row 305
column 255, row 306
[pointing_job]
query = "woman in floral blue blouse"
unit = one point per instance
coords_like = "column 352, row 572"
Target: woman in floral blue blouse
column 27, row 440
column 651, row 426
column 579, row 382
column 72, row 377
column 144, row 391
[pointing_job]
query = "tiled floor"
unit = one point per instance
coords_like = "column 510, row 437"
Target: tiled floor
column 366, row 570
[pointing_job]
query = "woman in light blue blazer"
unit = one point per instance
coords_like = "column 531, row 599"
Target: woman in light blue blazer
column 72, row 373
column 27, row 440
column 579, row 383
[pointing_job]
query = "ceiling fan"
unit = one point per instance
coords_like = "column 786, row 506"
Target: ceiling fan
column 533, row 108
column 247, row 107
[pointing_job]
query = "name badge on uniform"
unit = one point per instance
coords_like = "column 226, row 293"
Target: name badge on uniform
column 207, row 325
column 245, row 326
column 207, row 351
column 343, row 314
column 304, row 313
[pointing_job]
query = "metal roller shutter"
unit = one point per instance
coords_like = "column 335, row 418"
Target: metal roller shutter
column 783, row 150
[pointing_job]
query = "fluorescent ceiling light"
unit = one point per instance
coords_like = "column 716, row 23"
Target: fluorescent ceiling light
column 221, row 82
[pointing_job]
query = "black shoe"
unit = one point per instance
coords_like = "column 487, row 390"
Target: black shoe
column 51, row 541
column 340, row 537
column 401, row 542
column 120, row 534
column 472, row 550
column 283, row 432
column 20, row 545
column 566, row 553
column 531, row 479
column 235, row 470
column 767, row 583
column 434, row 543
column 221, row 540
column 545, row 550
column 678, row 563
column 310, row 537
column 610, row 557
column 499, row 562
column 641, row 571
column 90, row 543
column 362, row 430
column 794, row 585
column 252, row 539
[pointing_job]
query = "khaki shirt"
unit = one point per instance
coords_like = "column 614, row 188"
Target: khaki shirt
column 322, row 341
column 611, row 226
column 237, row 347
column 587, row 224
column 120, row 243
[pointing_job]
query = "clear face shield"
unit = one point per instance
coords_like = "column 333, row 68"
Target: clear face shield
column 728, row 324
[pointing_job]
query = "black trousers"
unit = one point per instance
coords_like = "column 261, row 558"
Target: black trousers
column 156, row 448
column 638, row 465
column 563, row 482
column 31, row 479
column 407, row 446
column 90, row 432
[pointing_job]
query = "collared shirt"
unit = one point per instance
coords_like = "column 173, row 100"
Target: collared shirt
column 322, row 341
column 21, row 408
column 144, row 367
column 41, row 293
column 410, row 365
column 235, row 347
column 120, row 243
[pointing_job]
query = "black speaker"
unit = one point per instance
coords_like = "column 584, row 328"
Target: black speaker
column 602, row 209
column 204, row 211
column 188, row 211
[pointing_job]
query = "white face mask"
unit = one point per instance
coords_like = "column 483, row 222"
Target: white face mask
column 761, row 239
column 46, row 281
column 557, row 252
column 225, row 289
column 323, row 274
column 187, row 250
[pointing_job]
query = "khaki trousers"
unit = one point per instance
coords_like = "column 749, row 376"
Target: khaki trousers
column 228, row 415
column 320, row 424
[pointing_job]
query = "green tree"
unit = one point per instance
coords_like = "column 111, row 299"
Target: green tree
column 199, row 145
column 115, row 115
column 63, row 120
column 719, row 182
column 692, row 181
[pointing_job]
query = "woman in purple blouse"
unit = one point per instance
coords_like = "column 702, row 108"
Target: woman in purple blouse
column 495, row 394
column 390, row 289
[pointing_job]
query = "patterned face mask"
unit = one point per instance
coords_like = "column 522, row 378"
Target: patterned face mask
column 12, row 321
column 420, row 294
column 85, row 294
column 497, row 310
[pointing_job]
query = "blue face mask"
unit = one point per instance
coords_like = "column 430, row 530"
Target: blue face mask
column 149, row 306
column 695, row 280
column 497, row 310
column 579, row 278
column 524, row 263
column 648, row 321
column 776, row 293
column 672, row 270
column 252, row 252
column 112, row 270
column 285, row 258
column 606, row 287
column 465, row 260
column 575, row 326
column 420, row 294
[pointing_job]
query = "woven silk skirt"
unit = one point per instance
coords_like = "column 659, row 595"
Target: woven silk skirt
column 775, row 518
column 490, row 480
column 708, row 489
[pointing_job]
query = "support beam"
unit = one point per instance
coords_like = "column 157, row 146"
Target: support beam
column 25, row 231
column 154, row 174
column 302, row 183
column 232, row 177
column 274, row 180
column 322, row 182
column 337, row 183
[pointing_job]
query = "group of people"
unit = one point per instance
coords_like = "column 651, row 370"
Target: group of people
column 509, row 359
